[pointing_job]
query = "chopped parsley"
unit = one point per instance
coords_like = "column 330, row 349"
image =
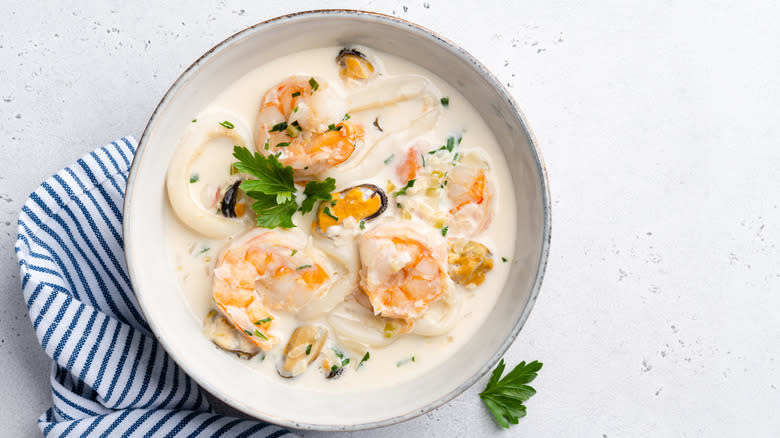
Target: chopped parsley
column 302, row 267
column 248, row 333
column 362, row 225
column 293, row 252
column 227, row 125
column 339, row 354
column 194, row 178
column 503, row 259
column 327, row 212
column 194, row 120
column 267, row 144
column 450, row 143
column 444, row 230
column 259, row 334
column 279, row 127
column 308, row 350
column 423, row 159
column 314, row 85
column 445, row 101
column 402, row 191
column 365, row 358
column 283, row 144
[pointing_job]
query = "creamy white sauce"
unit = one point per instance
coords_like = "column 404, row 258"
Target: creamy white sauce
column 193, row 256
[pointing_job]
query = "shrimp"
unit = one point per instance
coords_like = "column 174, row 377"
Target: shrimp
column 268, row 270
column 471, row 194
column 301, row 119
column 403, row 270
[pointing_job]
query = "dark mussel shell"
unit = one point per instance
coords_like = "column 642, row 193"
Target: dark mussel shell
column 228, row 207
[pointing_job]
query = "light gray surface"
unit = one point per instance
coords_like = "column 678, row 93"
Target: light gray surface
column 658, row 122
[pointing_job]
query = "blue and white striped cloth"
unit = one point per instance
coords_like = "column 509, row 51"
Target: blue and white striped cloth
column 110, row 377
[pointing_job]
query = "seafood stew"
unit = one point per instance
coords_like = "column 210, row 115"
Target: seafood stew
column 340, row 218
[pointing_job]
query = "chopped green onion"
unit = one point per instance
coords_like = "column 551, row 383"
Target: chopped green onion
column 338, row 353
column 194, row 178
column 444, row 230
column 194, row 120
column 204, row 250
column 445, row 101
column 262, row 358
column 279, row 127
column 264, row 320
column 296, row 94
column 257, row 333
column 503, row 259
column 362, row 225
column 303, row 267
column 346, row 116
column 327, row 212
column 292, row 130
column 389, row 159
column 334, row 368
column 314, row 84
column 248, row 333
column 293, row 252
column 345, row 362
column 423, row 159
column 333, row 127
column 308, row 350
column 450, row 143
column 404, row 362
column 267, row 143
column 295, row 110
column 283, row 144
column 398, row 204
column 227, row 125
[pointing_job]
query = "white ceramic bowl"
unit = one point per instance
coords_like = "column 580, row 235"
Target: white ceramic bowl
column 156, row 287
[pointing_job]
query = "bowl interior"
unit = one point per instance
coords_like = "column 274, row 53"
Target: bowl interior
column 157, row 289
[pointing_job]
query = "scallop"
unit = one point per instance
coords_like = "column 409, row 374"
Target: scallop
column 468, row 261
column 354, row 64
column 227, row 337
column 360, row 203
column 302, row 349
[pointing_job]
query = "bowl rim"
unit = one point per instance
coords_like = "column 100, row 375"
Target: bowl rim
column 448, row 45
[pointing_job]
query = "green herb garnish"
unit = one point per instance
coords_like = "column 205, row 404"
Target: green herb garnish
column 263, row 321
column 308, row 350
column 194, row 120
column 334, row 127
column 293, row 130
column 362, row 225
column 327, row 212
column 345, row 362
column 227, row 125
column 302, row 267
column 257, row 333
column 283, row 144
column 365, row 358
column 505, row 397
column 445, row 101
column 444, row 230
column 503, row 259
column 248, row 333
column 293, row 252
column 346, row 116
column 273, row 189
column 204, row 250
column 404, row 362
column 402, row 191
column 389, row 159
column 267, row 144
column 279, row 127
column 314, row 85
column 296, row 94
column 338, row 353
column 317, row 190
column 194, row 178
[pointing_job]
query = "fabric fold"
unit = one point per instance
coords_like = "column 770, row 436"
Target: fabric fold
column 110, row 376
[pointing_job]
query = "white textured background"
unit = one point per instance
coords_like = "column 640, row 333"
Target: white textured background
column 660, row 311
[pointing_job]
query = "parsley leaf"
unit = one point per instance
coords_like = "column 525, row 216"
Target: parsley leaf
column 505, row 397
column 273, row 177
column 403, row 190
column 271, row 214
column 317, row 190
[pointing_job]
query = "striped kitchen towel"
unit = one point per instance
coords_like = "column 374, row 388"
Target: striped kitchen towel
column 109, row 375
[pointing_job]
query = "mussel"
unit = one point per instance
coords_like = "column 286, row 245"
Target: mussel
column 361, row 203
column 468, row 262
column 354, row 64
column 302, row 349
column 227, row 337
column 229, row 204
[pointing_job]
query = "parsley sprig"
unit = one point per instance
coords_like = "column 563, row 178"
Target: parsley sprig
column 273, row 188
column 505, row 397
